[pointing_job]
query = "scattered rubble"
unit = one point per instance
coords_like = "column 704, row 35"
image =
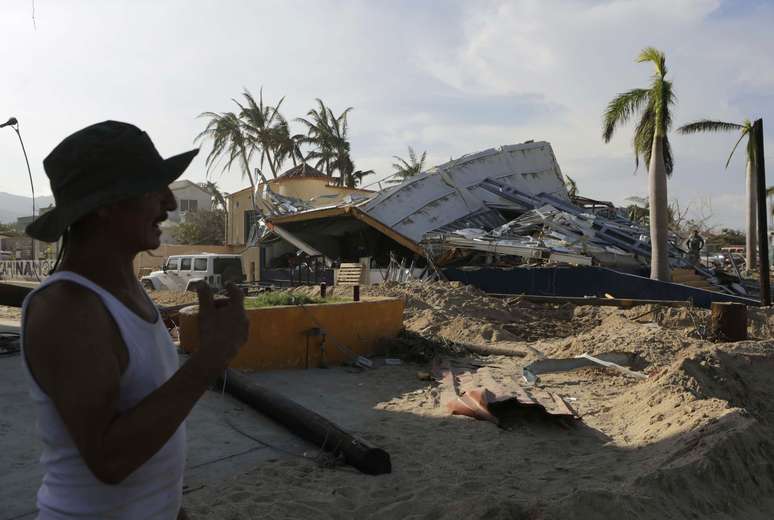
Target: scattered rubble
column 693, row 439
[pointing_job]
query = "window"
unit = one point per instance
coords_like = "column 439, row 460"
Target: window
column 185, row 264
column 172, row 264
column 189, row 205
column 200, row 264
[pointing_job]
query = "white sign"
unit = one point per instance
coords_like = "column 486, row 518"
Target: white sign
column 25, row 269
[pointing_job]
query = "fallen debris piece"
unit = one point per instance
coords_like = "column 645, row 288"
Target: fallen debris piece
column 609, row 359
column 308, row 425
column 615, row 366
column 469, row 393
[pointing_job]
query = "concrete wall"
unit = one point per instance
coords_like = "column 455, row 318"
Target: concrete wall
column 237, row 204
column 278, row 335
column 312, row 188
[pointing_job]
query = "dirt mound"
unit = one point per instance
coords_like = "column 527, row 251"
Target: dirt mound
column 704, row 426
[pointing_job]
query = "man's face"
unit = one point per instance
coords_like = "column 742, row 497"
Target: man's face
column 137, row 220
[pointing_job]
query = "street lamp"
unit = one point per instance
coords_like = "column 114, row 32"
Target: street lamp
column 14, row 123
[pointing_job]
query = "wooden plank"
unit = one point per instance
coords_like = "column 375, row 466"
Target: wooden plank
column 386, row 230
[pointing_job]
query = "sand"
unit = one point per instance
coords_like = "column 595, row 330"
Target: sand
column 693, row 440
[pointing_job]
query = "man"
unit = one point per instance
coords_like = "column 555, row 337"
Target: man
column 103, row 370
column 695, row 244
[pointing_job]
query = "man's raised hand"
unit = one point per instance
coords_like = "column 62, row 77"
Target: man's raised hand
column 223, row 326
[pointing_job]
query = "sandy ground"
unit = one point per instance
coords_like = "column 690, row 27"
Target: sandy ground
column 693, row 440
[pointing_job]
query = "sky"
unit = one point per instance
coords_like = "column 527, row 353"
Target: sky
column 449, row 78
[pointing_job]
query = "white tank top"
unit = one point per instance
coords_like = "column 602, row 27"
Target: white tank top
column 69, row 489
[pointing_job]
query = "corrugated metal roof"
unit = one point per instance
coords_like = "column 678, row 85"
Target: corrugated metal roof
column 450, row 191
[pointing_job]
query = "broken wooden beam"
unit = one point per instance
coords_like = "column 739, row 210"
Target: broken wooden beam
column 309, row 425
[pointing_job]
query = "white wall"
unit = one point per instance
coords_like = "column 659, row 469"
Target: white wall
column 189, row 192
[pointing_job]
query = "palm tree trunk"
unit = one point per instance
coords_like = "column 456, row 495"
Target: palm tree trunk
column 751, row 243
column 659, row 256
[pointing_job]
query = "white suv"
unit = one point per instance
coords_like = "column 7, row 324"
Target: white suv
column 183, row 272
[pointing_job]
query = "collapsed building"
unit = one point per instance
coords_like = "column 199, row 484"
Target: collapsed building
column 496, row 210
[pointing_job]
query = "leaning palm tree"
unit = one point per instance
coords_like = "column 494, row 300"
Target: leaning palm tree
column 652, row 144
column 229, row 141
column 745, row 128
column 405, row 169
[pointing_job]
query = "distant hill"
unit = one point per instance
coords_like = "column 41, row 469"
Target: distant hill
column 15, row 206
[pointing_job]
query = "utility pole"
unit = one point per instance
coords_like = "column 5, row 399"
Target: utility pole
column 763, row 239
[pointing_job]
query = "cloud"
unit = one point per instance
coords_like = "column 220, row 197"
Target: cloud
column 450, row 80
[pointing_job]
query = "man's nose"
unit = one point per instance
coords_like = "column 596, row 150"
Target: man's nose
column 170, row 204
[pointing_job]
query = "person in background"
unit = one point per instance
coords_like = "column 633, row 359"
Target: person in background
column 103, row 372
column 695, row 244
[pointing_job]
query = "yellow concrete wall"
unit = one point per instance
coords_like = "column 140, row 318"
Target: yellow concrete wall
column 278, row 339
column 237, row 204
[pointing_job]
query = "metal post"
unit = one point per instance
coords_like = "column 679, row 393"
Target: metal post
column 763, row 239
column 323, row 288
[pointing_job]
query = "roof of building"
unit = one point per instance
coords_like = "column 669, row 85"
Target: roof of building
column 301, row 170
column 185, row 183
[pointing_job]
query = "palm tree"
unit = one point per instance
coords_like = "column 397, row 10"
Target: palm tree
column 287, row 146
column 318, row 135
column 651, row 142
column 327, row 134
column 706, row 125
column 229, row 140
column 218, row 199
column 405, row 169
column 265, row 127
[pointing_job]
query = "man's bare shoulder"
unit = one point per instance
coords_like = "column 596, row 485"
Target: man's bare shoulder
column 64, row 303
column 67, row 320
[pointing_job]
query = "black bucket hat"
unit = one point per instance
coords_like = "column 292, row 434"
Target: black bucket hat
column 100, row 165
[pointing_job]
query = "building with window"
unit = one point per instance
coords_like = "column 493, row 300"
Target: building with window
column 190, row 197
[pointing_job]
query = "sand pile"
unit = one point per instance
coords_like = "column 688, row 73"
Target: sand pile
column 462, row 313
column 693, row 440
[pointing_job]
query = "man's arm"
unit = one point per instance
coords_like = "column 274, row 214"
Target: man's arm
column 72, row 350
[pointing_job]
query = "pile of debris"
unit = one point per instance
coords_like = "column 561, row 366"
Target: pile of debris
column 504, row 207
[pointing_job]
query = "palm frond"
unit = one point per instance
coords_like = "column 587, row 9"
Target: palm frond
column 668, row 159
column 749, row 150
column 708, row 125
column 643, row 136
column 656, row 57
column 620, row 109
